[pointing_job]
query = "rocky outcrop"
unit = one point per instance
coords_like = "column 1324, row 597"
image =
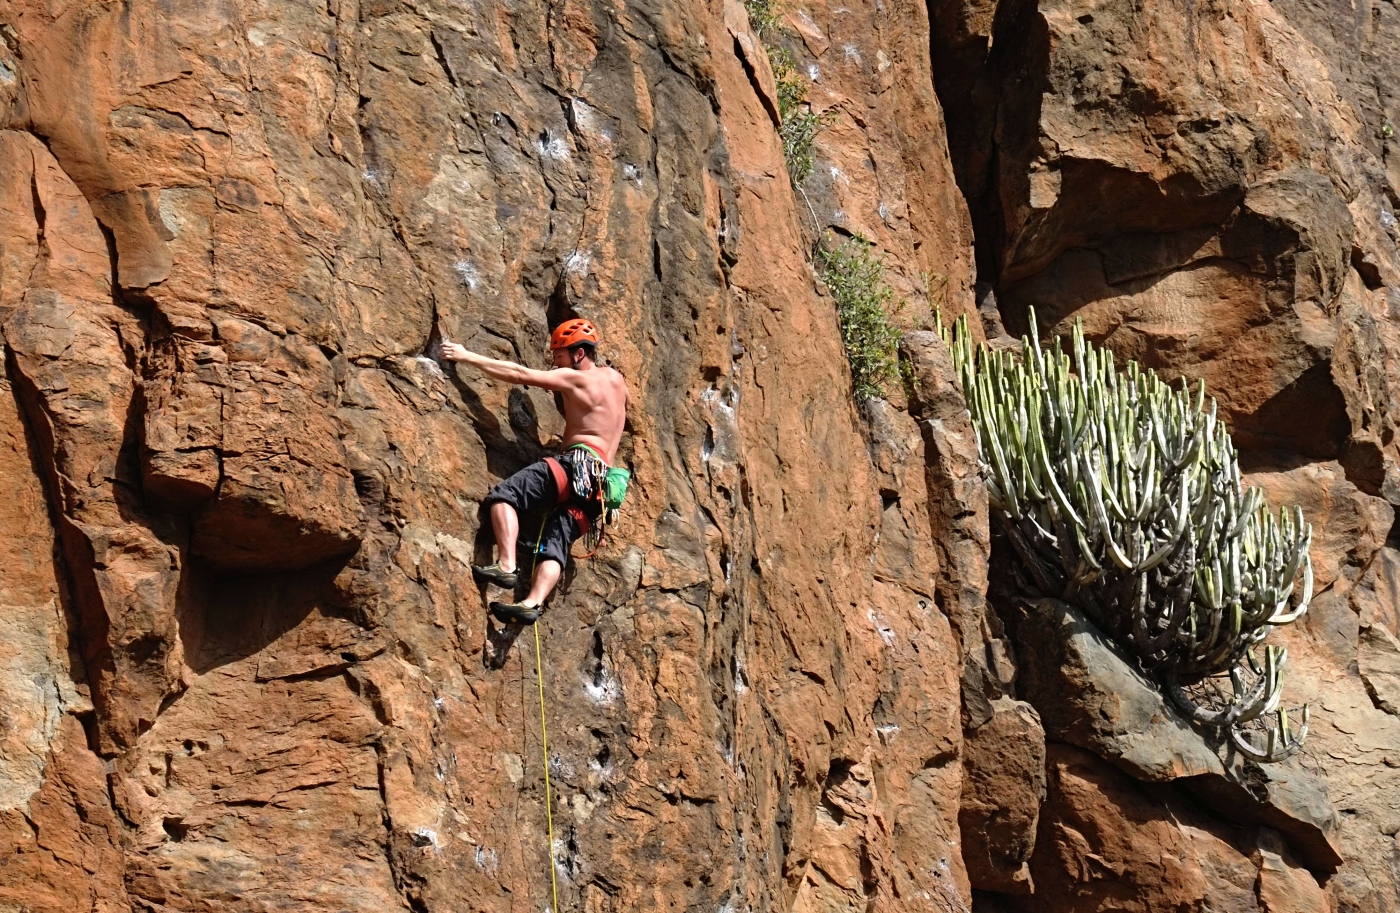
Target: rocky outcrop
column 1106, row 838
column 60, row 843
column 219, row 400
column 1003, row 790
column 1090, row 695
column 1201, row 218
column 70, row 349
column 1212, row 191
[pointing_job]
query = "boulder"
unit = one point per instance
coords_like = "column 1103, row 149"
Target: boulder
column 1378, row 659
column 1090, row 694
column 1003, row 788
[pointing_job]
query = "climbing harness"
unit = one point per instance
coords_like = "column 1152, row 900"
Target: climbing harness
column 544, row 749
column 593, row 480
column 589, row 468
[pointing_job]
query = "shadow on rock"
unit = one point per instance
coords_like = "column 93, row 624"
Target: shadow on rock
column 224, row 619
column 499, row 639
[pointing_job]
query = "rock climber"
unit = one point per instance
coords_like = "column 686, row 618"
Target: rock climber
column 595, row 409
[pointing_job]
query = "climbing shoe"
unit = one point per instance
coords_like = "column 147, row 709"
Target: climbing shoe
column 515, row 613
column 493, row 573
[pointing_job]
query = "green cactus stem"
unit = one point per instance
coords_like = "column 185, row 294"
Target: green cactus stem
column 1121, row 493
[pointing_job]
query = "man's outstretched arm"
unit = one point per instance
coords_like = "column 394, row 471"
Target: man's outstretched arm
column 508, row 371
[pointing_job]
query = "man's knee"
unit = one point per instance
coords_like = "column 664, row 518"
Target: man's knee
column 501, row 495
column 525, row 490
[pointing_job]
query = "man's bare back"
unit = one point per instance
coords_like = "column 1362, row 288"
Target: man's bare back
column 595, row 410
column 595, row 397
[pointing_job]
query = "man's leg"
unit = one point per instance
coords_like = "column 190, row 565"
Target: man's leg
column 531, row 488
column 547, row 574
column 560, row 529
column 505, row 522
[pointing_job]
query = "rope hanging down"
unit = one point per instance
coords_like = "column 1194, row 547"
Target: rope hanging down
column 544, row 748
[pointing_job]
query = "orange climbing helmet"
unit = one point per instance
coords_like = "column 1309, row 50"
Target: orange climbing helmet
column 572, row 333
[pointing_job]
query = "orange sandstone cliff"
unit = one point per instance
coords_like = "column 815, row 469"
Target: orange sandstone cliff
column 243, row 664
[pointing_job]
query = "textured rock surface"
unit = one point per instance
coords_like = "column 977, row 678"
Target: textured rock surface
column 230, row 231
column 239, row 505
column 1003, row 788
column 1212, row 189
column 1107, row 841
column 1089, row 695
column 1199, row 209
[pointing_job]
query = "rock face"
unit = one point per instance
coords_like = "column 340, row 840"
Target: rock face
column 249, row 503
column 1003, row 789
column 1212, row 190
column 1091, row 696
column 244, row 663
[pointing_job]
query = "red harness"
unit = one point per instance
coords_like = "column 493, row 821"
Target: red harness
column 561, row 478
column 561, row 482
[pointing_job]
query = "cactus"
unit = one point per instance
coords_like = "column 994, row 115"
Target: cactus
column 1121, row 493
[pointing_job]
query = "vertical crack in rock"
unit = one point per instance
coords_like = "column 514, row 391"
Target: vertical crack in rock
column 69, row 363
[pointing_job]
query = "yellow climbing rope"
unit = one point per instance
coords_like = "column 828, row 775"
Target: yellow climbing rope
column 544, row 747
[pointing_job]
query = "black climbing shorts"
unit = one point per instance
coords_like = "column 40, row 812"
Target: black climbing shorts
column 532, row 491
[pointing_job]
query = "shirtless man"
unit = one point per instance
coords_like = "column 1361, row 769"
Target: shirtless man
column 595, row 408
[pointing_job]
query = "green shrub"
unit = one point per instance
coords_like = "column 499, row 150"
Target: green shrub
column 799, row 124
column 855, row 276
column 792, row 87
column 765, row 16
column 1122, row 494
